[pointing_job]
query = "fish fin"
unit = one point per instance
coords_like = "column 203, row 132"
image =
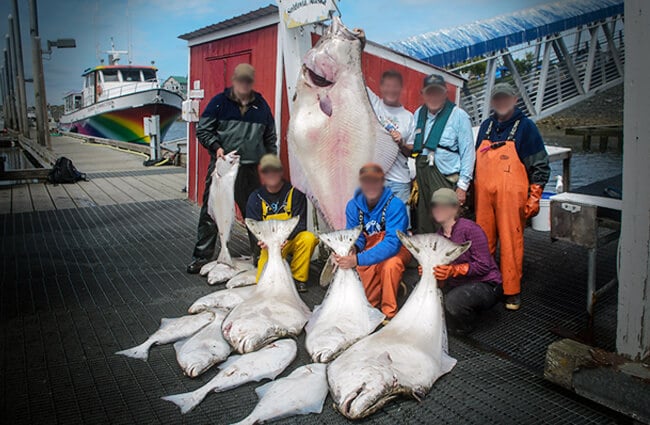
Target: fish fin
column 187, row 401
column 386, row 149
column 327, row 274
column 325, row 104
column 272, row 231
column 447, row 363
column 432, row 249
column 140, row 352
column 263, row 389
column 341, row 241
column 208, row 267
column 247, row 278
column 224, row 256
column 178, row 345
column 375, row 317
column 229, row 361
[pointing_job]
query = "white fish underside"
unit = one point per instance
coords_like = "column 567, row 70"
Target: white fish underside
column 345, row 315
column 221, row 202
column 225, row 299
column 222, row 272
column 300, row 393
column 275, row 309
column 410, row 353
column 266, row 363
column 333, row 129
column 170, row 330
column 204, row 349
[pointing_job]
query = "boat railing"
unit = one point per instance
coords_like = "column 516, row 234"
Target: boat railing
column 127, row 88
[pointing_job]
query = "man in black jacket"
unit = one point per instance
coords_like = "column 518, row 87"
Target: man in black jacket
column 239, row 119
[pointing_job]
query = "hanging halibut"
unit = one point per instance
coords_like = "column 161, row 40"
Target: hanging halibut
column 345, row 315
column 275, row 309
column 333, row 129
column 410, row 353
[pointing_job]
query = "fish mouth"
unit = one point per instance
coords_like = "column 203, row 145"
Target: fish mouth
column 318, row 80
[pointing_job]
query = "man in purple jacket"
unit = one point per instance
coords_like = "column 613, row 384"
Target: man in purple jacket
column 471, row 283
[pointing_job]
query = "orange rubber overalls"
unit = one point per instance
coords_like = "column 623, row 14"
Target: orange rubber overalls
column 381, row 281
column 501, row 185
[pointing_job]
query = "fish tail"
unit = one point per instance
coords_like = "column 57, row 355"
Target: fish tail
column 224, row 255
column 272, row 232
column 432, row 249
column 138, row 352
column 187, row 401
column 341, row 241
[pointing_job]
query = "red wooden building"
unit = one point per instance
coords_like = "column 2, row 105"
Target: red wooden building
column 215, row 50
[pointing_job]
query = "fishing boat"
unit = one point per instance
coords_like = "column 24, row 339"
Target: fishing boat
column 116, row 98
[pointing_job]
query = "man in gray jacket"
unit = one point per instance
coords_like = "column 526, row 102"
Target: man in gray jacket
column 239, row 119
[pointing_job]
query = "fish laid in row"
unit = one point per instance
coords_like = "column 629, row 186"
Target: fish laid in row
column 274, row 310
column 333, row 129
column 266, row 363
column 345, row 315
column 302, row 392
column 204, row 349
column 408, row 355
column 170, row 330
column 226, row 299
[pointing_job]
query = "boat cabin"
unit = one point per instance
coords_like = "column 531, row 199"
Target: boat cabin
column 72, row 102
column 105, row 82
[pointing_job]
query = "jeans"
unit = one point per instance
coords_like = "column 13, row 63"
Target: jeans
column 402, row 191
column 463, row 303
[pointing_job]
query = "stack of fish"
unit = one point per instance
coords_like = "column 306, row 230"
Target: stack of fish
column 331, row 113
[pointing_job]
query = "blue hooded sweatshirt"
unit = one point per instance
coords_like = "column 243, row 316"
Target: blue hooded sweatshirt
column 395, row 219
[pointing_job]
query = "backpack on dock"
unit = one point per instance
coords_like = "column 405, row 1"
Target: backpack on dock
column 64, row 171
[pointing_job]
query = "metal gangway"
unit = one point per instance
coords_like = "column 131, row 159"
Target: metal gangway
column 555, row 56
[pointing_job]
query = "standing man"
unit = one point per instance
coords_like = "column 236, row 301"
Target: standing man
column 398, row 121
column 239, row 119
column 511, row 171
column 443, row 144
column 380, row 257
column 279, row 200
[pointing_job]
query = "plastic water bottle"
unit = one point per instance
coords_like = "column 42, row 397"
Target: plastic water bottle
column 559, row 184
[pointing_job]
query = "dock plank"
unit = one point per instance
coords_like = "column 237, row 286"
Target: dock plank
column 59, row 196
column 40, row 197
column 5, row 200
column 155, row 194
column 79, row 196
column 20, row 199
column 113, row 191
column 97, row 194
column 130, row 190
column 160, row 185
column 174, row 181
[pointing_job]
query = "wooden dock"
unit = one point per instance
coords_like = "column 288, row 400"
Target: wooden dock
column 115, row 177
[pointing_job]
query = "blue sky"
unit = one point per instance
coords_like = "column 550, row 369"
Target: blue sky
column 156, row 24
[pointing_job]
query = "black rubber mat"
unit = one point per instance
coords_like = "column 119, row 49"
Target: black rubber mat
column 132, row 173
column 78, row 285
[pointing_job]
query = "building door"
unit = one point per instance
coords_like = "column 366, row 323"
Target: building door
column 221, row 69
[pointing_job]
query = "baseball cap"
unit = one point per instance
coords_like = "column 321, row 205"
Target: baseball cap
column 371, row 170
column 433, row 80
column 503, row 88
column 270, row 162
column 444, row 196
column 244, row 71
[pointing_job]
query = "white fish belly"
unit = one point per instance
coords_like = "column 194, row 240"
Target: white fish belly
column 224, row 298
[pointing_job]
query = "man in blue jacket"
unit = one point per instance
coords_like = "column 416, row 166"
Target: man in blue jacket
column 380, row 257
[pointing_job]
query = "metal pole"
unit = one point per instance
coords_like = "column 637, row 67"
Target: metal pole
column 10, row 80
column 7, row 76
column 40, row 99
column 22, row 117
column 20, row 76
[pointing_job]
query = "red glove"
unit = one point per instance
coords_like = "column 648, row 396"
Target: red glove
column 450, row 270
column 532, row 204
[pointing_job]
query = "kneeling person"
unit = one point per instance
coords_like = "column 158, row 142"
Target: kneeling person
column 279, row 200
column 472, row 283
column 380, row 257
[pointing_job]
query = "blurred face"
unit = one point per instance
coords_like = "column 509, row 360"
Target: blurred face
column 434, row 98
column 242, row 87
column 271, row 177
column 443, row 213
column 372, row 188
column 391, row 91
column 503, row 104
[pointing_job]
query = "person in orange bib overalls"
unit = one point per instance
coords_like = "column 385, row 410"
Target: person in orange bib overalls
column 380, row 257
column 279, row 200
column 511, row 171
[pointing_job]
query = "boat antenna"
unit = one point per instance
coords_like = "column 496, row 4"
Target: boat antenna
column 129, row 32
column 114, row 55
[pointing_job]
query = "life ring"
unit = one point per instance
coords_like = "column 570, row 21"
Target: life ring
column 98, row 89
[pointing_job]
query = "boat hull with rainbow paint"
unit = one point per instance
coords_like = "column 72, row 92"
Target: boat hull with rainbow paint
column 122, row 117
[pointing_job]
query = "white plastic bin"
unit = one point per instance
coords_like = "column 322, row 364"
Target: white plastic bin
column 542, row 221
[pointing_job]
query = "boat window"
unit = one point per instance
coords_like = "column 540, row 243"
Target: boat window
column 77, row 102
column 110, row 75
column 130, row 75
column 149, row 74
column 90, row 80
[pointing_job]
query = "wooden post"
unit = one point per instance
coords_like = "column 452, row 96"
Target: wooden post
column 586, row 143
column 40, row 99
column 633, row 327
column 604, row 140
column 21, row 108
column 20, row 69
